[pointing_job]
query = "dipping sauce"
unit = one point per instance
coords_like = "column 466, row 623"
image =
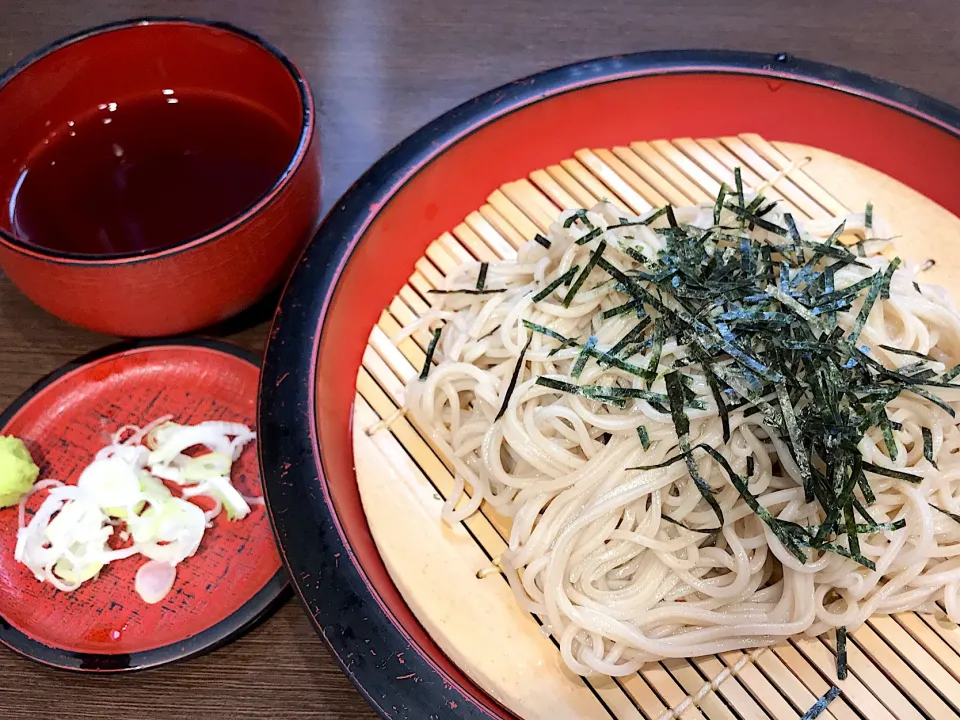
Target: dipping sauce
column 148, row 173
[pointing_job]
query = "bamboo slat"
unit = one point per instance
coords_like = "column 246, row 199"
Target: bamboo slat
column 903, row 667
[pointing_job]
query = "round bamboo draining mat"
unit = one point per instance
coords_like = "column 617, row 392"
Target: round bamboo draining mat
column 905, row 666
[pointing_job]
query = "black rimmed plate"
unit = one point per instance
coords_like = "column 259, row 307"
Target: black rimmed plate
column 233, row 580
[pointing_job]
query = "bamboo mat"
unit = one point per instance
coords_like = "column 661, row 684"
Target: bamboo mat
column 902, row 667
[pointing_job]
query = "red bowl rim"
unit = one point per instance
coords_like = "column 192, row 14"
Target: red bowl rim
column 260, row 606
column 307, row 131
column 310, row 534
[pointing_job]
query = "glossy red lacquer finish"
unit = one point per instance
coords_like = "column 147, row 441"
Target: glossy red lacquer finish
column 435, row 195
column 202, row 280
column 63, row 425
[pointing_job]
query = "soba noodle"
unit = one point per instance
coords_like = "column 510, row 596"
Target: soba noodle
column 590, row 552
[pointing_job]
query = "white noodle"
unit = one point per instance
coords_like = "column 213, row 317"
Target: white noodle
column 589, row 552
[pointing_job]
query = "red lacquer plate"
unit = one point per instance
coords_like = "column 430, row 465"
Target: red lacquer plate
column 367, row 246
column 233, row 580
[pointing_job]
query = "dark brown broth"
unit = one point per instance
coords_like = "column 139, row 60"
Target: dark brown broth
column 148, row 173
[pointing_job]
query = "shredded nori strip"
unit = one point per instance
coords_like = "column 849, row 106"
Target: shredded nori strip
column 484, row 337
column 888, row 278
column 656, row 351
column 886, row 427
column 591, row 392
column 656, row 215
column 875, row 287
column 636, row 393
column 542, row 240
column 565, row 341
column 610, row 359
column 766, row 208
column 755, row 204
column 792, row 228
column 721, row 405
column 561, row 280
column 621, row 309
column 705, row 531
column 718, row 207
column 682, row 425
column 777, row 527
column 482, row 277
column 671, row 217
column 592, row 235
column 932, row 398
column 644, row 437
column 581, row 278
column 872, row 527
column 664, row 463
column 895, row 474
column 468, row 291
column 928, row 445
column 841, row 653
column 584, row 355
column 580, row 215
column 912, row 353
column 632, row 336
column 952, row 516
column 820, row 705
column 758, row 317
column 868, row 215
column 950, row 374
column 431, row 348
column 793, row 430
column 738, row 181
column 758, row 221
column 513, row 380
column 845, row 473
column 853, row 537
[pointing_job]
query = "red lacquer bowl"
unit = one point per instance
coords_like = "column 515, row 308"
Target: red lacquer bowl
column 367, row 246
column 201, row 280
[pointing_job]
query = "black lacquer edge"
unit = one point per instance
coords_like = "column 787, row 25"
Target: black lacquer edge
column 334, row 588
column 266, row 600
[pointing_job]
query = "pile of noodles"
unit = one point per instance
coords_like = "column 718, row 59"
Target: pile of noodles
column 590, row 553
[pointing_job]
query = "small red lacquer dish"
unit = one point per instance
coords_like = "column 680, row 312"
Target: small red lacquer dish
column 234, row 579
column 159, row 175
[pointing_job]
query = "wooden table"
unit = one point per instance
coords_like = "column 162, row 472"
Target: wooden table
column 380, row 69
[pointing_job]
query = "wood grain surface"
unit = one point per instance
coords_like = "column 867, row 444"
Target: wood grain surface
column 380, row 69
